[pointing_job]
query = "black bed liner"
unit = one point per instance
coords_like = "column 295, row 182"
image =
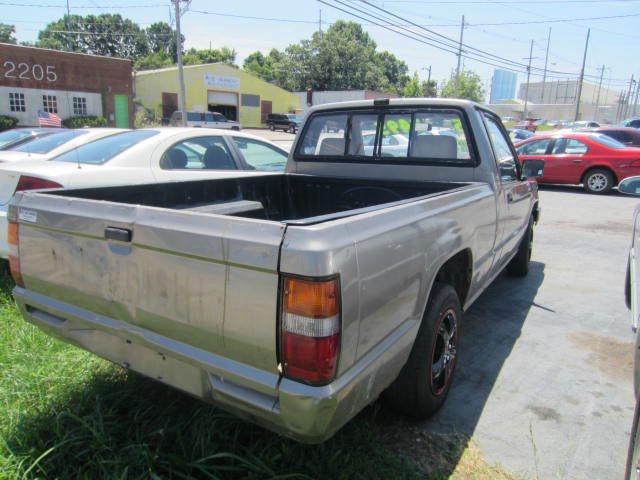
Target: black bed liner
column 290, row 198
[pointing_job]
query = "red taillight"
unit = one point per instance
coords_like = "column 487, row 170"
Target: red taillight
column 310, row 329
column 14, row 253
column 34, row 183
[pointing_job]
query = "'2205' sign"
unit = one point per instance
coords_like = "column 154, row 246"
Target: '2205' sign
column 24, row 71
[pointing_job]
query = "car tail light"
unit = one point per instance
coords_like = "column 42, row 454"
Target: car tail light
column 13, row 236
column 310, row 329
column 34, row 183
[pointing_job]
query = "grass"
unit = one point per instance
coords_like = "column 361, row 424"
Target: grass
column 65, row 414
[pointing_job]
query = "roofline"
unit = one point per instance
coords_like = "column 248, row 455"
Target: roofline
column 65, row 52
column 186, row 67
column 401, row 102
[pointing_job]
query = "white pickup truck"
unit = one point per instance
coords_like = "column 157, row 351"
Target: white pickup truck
column 292, row 299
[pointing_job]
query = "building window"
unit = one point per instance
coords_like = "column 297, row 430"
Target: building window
column 16, row 102
column 50, row 103
column 80, row 106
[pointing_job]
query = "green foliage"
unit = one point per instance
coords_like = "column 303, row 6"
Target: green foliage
column 342, row 58
column 86, row 121
column 106, row 34
column 470, row 86
column 154, row 60
column 7, row 122
column 223, row 55
column 413, row 88
column 430, row 88
column 7, row 33
column 146, row 117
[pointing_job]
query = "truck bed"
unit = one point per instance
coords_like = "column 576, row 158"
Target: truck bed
column 289, row 198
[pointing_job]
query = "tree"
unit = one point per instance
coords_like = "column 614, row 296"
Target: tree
column 430, row 88
column 161, row 38
column 413, row 88
column 223, row 55
column 7, row 33
column 470, row 86
column 342, row 58
column 105, row 34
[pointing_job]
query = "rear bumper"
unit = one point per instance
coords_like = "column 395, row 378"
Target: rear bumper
column 305, row 413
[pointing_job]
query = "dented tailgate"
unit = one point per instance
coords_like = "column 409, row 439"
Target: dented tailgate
column 207, row 281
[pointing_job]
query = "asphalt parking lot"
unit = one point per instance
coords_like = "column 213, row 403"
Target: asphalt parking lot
column 284, row 139
column 544, row 380
column 544, row 383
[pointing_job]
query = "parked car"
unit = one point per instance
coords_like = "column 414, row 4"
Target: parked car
column 48, row 146
column 517, row 134
column 17, row 136
column 575, row 126
column 204, row 120
column 141, row 156
column 348, row 279
column 627, row 135
column 285, row 121
column 631, row 186
column 596, row 161
column 633, row 122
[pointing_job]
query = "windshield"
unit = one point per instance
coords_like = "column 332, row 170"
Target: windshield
column 103, row 150
column 608, row 141
column 12, row 136
column 49, row 142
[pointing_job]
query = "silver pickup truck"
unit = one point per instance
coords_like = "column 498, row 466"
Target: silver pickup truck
column 292, row 299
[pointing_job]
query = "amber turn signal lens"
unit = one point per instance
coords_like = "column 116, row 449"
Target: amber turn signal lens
column 313, row 299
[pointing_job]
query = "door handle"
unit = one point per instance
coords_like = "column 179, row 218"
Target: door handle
column 118, row 234
column 576, row 161
column 509, row 197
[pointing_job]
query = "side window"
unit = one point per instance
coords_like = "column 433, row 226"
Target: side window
column 260, row 156
column 200, row 153
column 635, row 123
column 537, row 147
column 502, row 150
column 569, row 146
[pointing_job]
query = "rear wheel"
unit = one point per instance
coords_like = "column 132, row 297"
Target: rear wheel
column 425, row 380
column 598, row 180
column 292, row 129
column 272, row 127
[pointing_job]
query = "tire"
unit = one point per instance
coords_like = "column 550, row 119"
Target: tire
column 519, row 264
column 292, row 129
column 633, row 454
column 272, row 127
column 598, row 180
column 424, row 382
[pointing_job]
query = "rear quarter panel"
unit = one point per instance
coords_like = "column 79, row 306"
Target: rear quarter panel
column 387, row 259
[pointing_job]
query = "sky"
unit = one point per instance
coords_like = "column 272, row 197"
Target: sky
column 613, row 41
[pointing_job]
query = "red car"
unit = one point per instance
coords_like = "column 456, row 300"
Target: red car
column 596, row 161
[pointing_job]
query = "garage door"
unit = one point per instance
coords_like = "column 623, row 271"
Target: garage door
column 222, row 98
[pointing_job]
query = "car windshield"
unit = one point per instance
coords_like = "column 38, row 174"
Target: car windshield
column 103, row 150
column 49, row 142
column 13, row 136
column 608, row 141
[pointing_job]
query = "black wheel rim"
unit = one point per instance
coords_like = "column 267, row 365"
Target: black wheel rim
column 444, row 352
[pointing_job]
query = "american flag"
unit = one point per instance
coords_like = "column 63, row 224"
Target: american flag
column 46, row 119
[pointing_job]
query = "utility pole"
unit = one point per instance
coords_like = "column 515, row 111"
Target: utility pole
column 70, row 43
column 625, row 108
column 635, row 100
column 598, row 97
column 546, row 61
column 183, row 100
column 457, row 80
column 526, row 88
column 584, row 61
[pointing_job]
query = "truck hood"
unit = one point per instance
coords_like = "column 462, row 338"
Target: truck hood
column 11, row 156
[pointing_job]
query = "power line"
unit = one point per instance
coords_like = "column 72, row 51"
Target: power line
column 76, row 7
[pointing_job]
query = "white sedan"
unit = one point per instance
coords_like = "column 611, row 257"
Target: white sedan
column 140, row 157
column 49, row 146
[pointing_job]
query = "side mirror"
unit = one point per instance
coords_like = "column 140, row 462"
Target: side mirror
column 508, row 169
column 630, row 186
column 532, row 169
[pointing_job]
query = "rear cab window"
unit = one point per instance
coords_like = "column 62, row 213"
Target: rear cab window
column 403, row 136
